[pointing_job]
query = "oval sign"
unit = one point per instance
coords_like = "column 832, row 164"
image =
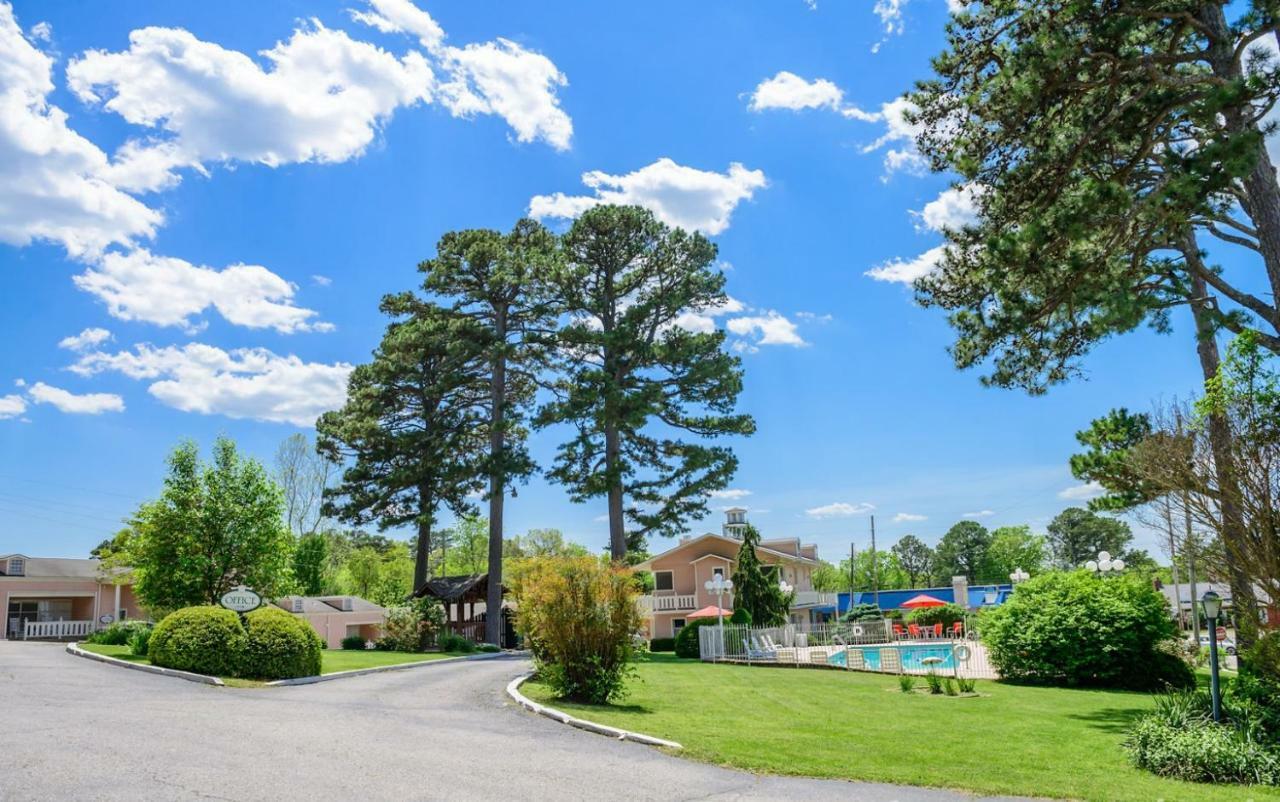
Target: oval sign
column 241, row 600
column 107, row 619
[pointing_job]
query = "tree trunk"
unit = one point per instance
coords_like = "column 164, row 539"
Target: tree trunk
column 425, row 507
column 1243, row 598
column 617, row 529
column 497, row 482
column 1261, row 190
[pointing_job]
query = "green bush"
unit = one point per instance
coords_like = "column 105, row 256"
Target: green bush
column 206, row 640
column 687, row 638
column 1262, row 660
column 117, row 634
column 452, row 642
column 140, row 641
column 1201, row 751
column 741, row 616
column 488, row 648
column 1076, row 629
column 946, row 615
column 662, row 645
column 279, row 645
column 353, row 643
column 864, row 612
column 579, row 618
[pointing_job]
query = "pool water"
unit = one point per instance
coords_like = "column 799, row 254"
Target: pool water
column 913, row 657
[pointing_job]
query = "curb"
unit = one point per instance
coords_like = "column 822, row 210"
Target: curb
column 513, row 690
column 74, row 648
column 360, row 672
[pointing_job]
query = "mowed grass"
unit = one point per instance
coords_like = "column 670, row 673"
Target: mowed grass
column 331, row 660
column 1011, row 739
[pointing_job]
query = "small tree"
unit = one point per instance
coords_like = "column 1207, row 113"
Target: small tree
column 303, row 474
column 310, row 558
column 215, row 526
column 962, row 551
column 579, row 617
column 1077, row 535
column 634, row 378
column 756, row 590
column 915, row 559
column 1011, row 548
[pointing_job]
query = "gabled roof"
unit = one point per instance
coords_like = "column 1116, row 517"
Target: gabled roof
column 647, row 565
column 327, row 604
column 456, row 588
column 52, row 567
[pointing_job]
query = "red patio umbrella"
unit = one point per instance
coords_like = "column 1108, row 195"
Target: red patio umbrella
column 711, row 612
column 923, row 600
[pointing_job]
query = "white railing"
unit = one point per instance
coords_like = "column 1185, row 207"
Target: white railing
column 814, row 598
column 56, row 629
column 667, row 604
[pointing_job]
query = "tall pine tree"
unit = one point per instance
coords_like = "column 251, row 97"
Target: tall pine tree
column 756, row 590
column 501, row 284
column 411, row 431
column 633, row 377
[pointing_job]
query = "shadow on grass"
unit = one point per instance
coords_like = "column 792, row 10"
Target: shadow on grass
column 1109, row 719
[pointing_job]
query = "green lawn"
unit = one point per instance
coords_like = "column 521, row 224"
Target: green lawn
column 331, row 660
column 1010, row 740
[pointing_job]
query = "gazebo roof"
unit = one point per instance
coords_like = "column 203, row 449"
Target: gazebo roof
column 469, row 587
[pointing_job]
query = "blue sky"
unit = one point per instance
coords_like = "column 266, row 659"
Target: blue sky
column 195, row 237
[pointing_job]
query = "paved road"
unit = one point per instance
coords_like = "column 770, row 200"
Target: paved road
column 75, row 729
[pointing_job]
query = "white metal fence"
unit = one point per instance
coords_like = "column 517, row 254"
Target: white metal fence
column 56, row 629
column 854, row 646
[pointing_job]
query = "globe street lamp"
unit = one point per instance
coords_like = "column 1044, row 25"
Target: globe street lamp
column 1104, row 564
column 1019, row 575
column 719, row 585
column 1212, row 607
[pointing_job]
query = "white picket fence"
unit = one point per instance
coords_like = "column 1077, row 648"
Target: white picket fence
column 56, row 629
column 857, row 646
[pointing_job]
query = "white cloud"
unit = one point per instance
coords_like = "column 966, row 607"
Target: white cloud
column 321, row 281
column 771, row 328
column 402, row 16
column 953, row 209
column 732, row 493
column 11, row 406
column 41, row 32
column 251, row 383
column 69, row 402
column 906, row 271
column 786, row 90
column 323, row 98
column 907, row 517
column 52, row 180
column 167, row 291
column 1082, row 492
column 979, row 514
column 503, row 78
column 89, row 338
column 839, row 509
column 678, row 195
column 814, row 317
column 890, row 14
column 703, row 321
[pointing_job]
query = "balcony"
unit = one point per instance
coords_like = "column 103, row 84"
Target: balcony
column 814, row 598
column 670, row 604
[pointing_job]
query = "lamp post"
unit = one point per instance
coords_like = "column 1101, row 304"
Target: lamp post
column 1019, row 575
column 1105, row 564
column 718, row 585
column 1212, row 606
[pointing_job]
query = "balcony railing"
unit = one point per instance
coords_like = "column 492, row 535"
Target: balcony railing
column 813, row 598
column 670, row 604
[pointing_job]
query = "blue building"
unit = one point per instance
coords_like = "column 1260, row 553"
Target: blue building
column 976, row 597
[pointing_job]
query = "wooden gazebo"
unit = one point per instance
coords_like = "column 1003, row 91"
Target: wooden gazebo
column 459, row 595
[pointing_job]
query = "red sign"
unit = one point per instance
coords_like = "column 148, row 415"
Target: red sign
column 1222, row 634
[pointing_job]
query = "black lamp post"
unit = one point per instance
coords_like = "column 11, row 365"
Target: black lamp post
column 1212, row 606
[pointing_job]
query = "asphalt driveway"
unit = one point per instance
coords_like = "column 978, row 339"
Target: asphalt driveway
column 72, row 728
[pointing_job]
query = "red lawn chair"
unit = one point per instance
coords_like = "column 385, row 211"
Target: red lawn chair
column 957, row 629
column 914, row 629
column 897, row 632
column 937, row 630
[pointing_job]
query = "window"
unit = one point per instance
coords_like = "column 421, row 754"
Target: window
column 123, row 614
column 17, row 566
column 663, row 580
column 717, row 571
column 677, row 624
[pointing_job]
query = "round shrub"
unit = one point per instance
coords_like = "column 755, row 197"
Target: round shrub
column 946, row 614
column 1076, row 629
column 353, row 642
column 279, row 645
column 206, row 640
column 864, row 612
column 741, row 616
column 687, row 644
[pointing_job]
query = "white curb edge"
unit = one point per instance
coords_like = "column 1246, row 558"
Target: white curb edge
column 513, row 690
column 360, row 672
column 74, row 648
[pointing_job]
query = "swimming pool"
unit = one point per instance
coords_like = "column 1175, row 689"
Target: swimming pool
column 913, row 656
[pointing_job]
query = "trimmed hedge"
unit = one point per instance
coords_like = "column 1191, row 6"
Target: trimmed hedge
column 206, row 640
column 279, row 645
column 354, row 643
column 687, row 638
column 946, row 614
column 662, row 645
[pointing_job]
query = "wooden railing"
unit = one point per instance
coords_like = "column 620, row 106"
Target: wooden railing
column 56, row 629
column 471, row 630
column 667, row 604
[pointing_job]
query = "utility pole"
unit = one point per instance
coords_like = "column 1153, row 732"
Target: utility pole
column 875, row 565
column 1190, row 550
column 852, row 589
column 1173, row 566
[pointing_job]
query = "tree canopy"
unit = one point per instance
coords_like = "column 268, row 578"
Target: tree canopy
column 1076, row 536
column 914, row 558
column 962, row 552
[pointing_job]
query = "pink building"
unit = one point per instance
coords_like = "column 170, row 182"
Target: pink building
column 46, row 597
column 680, row 575
column 337, row 617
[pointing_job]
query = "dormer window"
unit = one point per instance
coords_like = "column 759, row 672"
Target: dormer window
column 17, row 566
